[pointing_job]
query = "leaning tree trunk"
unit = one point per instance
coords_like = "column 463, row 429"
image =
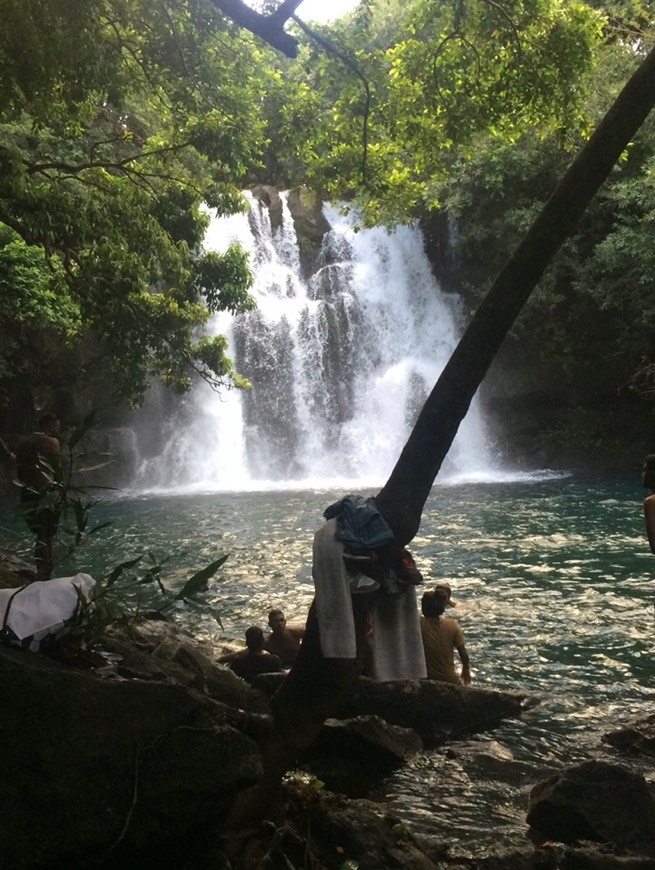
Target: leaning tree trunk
column 316, row 686
column 402, row 498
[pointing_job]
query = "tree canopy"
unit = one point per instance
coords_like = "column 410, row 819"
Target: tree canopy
column 406, row 90
column 124, row 124
column 121, row 123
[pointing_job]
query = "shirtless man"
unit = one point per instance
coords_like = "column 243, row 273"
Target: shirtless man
column 283, row 641
column 254, row 660
column 38, row 465
column 6, row 455
column 648, row 481
column 441, row 636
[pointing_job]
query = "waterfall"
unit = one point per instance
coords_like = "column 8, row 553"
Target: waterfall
column 340, row 364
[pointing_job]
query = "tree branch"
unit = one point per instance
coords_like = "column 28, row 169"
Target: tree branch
column 101, row 164
column 267, row 27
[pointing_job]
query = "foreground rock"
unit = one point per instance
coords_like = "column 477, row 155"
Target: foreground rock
column 14, row 572
column 149, row 757
column 352, row 755
column 155, row 649
column 636, row 738
column 596, row 801
column 437, row 711
column 108, row 768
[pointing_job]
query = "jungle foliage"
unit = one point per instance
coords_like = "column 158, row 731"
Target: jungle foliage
column 473, row 112
column 123, row 123
column 407, row 89
column 591, row 319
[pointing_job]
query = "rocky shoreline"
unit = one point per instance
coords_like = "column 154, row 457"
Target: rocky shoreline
column 136, row 755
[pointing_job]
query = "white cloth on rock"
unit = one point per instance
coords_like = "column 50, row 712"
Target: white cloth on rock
column 44, row 608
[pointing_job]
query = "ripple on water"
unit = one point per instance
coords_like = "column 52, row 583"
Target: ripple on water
column 555, row 593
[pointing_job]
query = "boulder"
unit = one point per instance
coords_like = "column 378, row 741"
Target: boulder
column 310, row 224
column 598, row 802
column 122, row 769
column 156, row 649
column 352, row 755
column 326, row 831
column 437, row 711
column 637, row 738
column 14, row 572
column 269, row 197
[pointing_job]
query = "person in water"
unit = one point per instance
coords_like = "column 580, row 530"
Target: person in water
column 284, row 640
column 441, row 637
column 254, row 660
column 648, row 481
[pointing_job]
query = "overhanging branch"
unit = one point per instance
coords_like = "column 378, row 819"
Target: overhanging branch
column 270, row 28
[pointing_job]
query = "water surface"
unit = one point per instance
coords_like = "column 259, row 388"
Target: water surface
column 555, row 585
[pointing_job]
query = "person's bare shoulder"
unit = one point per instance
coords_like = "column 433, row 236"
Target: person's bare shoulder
column 46, row 444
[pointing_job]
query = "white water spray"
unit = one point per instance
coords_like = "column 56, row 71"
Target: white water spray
column 340, row 364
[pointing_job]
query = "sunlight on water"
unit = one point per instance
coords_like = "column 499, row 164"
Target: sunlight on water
column 555, row 591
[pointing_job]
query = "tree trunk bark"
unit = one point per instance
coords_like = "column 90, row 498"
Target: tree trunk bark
column 403, row 496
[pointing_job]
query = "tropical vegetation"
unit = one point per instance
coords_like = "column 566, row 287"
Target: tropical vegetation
column 124, row 125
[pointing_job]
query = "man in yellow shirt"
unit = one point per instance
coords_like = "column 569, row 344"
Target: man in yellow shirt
column 441, row 636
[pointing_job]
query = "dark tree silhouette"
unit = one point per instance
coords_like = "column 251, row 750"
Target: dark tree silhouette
column 403, row 497
column 268, row 27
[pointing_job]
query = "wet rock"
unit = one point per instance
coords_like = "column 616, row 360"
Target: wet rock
column 110, row 768
column 596, row 801
column 637, row 738
column 436, row 711
column 270, row 198
column 329, row 831
column 14, row 572
column 310, row 223
column 155, row 649
column 350, row 756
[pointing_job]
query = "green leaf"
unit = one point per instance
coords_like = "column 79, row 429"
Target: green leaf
column 199, row 580
column 119, row 569
column 90, row 422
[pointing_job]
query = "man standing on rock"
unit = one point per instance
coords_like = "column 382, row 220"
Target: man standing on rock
column 441, row 636
column 38, row 465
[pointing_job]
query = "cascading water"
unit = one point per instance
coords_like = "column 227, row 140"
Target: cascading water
column 340, row 364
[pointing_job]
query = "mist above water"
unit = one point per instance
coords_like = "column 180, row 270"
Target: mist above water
column 340, row 365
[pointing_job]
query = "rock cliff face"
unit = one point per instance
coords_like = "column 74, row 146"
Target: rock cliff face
column 549, row 408
column 307, row 212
